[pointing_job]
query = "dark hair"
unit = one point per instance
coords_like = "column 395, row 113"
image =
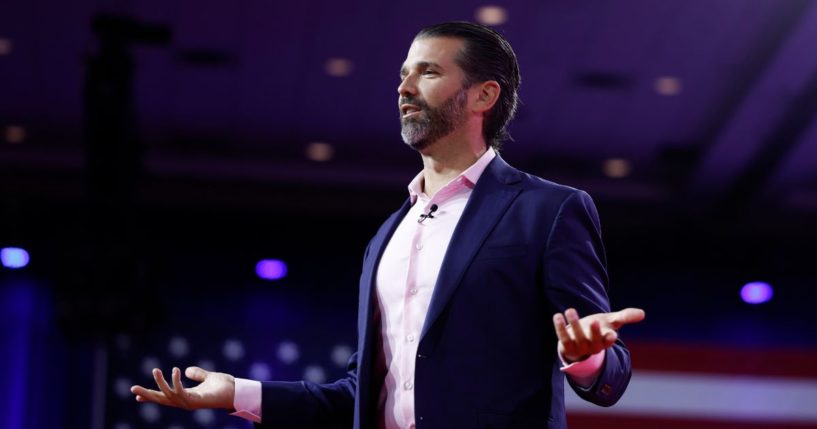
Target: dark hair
column 485, row 55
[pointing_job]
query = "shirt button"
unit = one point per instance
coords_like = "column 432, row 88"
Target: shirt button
column 407, row 385
column 418, row 246
column 413, row 291
column 410, row 338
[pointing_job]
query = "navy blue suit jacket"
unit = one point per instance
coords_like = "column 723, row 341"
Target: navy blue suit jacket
column 524, row 249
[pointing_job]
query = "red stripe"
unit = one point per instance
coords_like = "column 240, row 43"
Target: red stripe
column 587, row 421
column 699, row 358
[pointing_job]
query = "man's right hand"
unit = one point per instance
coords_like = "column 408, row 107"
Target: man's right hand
column 215, row 390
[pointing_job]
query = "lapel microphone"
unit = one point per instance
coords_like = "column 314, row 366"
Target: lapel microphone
column 429, row 215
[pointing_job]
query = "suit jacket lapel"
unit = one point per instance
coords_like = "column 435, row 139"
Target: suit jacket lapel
column 363, row 411
column 489, row 200
column 376, row 249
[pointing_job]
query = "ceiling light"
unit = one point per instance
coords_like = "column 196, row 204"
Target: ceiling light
column 617, row 168
column 5, row 46
column 271, row 269
column 15, row 134
column 339, row 67
column 668, row 86
column 14, row 257
column 756, row 292
column 320, row 152
column 491, row 15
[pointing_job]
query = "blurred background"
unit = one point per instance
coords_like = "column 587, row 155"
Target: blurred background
column 194, row 182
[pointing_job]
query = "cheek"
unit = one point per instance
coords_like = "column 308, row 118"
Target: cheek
column 436, row 93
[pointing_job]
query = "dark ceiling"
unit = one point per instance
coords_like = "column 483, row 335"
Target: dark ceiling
column 711, row 101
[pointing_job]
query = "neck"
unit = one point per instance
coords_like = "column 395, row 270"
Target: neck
column 448, row 157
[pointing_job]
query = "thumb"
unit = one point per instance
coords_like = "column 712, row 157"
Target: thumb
column 628, row 315
column 195, row 373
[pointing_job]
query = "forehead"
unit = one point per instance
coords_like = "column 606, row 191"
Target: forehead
column 441, row 51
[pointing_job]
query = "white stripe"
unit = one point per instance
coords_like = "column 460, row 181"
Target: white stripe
column 665, row 394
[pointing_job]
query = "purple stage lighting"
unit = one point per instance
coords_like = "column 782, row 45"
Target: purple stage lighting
column 271, row 269
column 14, row 257
column 756, row 292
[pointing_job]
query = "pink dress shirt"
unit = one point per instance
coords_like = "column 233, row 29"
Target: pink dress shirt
column 405, row 282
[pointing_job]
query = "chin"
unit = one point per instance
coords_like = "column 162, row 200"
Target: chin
column 417, row 144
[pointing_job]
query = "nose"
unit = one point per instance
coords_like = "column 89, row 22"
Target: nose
column 407, row 86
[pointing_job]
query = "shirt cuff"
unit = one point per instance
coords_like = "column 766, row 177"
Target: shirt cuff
column 584, row 372
column 247, row 400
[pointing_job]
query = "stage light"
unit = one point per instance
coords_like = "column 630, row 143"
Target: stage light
column 341, row 354
column 668, row 86
column 338, row 67
column 756, row 292
column 206, row 365
column 319, row 152
column 178, row 347
column 122, row 388
column 150, row 413
column 491, row 15
column 15, row 134
column 617, row 168
column 315, row 374
column 288, row 352
column 14, row 257
column 204, row 416
column 233, row 350
column 271, row 269
column 5, row 46
column 260, row 371
column 148, row 363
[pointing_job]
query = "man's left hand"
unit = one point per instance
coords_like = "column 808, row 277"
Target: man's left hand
column 582, row 338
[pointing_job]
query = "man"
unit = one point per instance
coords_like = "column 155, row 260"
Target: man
column 459, row 285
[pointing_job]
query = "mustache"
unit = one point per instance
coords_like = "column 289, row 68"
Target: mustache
column 412, row 100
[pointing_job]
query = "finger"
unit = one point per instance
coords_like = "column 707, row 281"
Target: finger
column 178, row 388
column 160, row 381
column 573, row 319
column 626, row 316
column 610, row 338
column 140, row 391
column 596, row 336
column 195, row 373
column 147, row 395
column 561, row 328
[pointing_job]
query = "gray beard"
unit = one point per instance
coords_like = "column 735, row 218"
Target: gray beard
column 422, row 130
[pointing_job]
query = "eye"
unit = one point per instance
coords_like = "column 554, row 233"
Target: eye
column 429, row 73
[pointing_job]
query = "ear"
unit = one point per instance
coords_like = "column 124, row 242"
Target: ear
column 487, row 95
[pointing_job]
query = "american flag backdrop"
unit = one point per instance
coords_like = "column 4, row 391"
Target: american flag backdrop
column 678, row 385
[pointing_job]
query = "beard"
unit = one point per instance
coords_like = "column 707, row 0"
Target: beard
column 432, row 124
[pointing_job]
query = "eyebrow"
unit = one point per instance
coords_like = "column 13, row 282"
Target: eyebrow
column 420, row 65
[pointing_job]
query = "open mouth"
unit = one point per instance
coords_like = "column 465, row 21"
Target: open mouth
column 408, row 110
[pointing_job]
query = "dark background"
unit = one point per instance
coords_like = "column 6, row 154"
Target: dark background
column 153, row 152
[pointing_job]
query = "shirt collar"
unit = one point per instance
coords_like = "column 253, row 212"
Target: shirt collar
column 469, row 176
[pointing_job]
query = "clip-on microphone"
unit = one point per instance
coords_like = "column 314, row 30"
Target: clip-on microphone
column 429, row 215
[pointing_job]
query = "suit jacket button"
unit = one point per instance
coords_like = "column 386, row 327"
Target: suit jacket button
column 606, row 390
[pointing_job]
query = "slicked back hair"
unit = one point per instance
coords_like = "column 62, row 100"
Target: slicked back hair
column 485, row 55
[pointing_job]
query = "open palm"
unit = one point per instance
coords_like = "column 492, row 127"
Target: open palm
column 215, row 390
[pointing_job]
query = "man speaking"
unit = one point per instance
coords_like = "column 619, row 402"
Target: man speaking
column 472, row 293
